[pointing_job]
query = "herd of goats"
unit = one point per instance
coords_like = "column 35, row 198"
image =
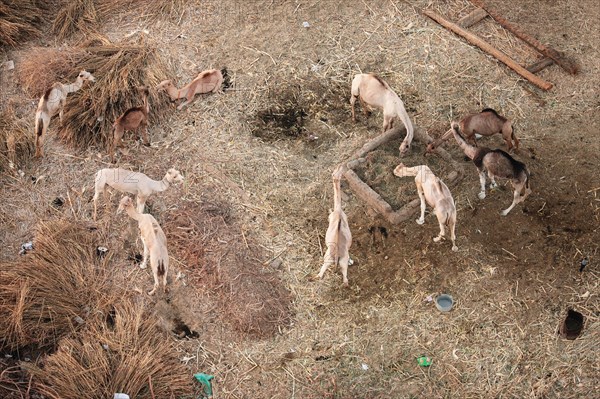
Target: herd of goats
column 371, row 91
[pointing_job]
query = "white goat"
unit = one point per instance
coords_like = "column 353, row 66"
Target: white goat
column 371, row 90
column 52, row 103
column 338, row 237
column 154, row 240
column 498, row 164
column 437, row 195
column 135, row 183
column 206, row 81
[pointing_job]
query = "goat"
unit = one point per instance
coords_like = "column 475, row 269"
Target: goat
column 52, row 103
column 486, row 123
column 371, row 90
column 133, row 119
column 135, row 183
column 338, row 237
column 154, row 240
column 498, row 164
column 206, row 81
column 431, row 189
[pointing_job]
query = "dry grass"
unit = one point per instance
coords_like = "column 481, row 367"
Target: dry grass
column 16, row 140
column 84, row 16
column 20, row 20
column 44, row 291
column 119, row 69
column 125, row 352
column 40, row 67
column 75, row 16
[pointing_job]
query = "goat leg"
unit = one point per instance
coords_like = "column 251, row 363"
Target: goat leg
column 481, row 194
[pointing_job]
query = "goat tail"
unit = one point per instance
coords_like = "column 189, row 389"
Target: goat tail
column 226, row 84
column 160, row 270
column 39, row 126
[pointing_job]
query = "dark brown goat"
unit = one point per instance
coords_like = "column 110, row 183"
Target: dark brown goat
column 486, row 123
column 497, row 163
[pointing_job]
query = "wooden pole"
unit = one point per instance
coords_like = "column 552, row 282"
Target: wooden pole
column 472, row 18
column 473, row 39
column 541, row 64
column 549, row 52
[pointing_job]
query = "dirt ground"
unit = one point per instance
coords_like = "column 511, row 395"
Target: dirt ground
column 258, row 160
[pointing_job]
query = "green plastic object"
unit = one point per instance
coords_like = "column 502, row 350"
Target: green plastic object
column 205, row 380
column 424, row 361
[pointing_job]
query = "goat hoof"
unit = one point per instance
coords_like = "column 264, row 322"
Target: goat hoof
column 504, row 213
column 481, row 195
column 350, row 262
column 143, row 266
column 345, row 284
column 454, row 248
column 420, row 221
column 437, row 239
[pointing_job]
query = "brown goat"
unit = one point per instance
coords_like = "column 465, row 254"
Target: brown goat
column 134, row 119
column 207, row 81
column 497, row 163
column 486, row 123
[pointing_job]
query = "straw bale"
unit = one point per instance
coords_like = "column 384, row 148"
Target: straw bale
column 119, row 69
column 44, row 291
column 126, row 353
column 20, row 20
column 40, row 67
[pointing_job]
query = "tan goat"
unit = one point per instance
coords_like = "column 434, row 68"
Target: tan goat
column 154, row 240
column 134, row 119
column 52, row 103
column 338, row 237
column 135, row 183
column 431, row 189
column 372, row 91
column 486, row 123
column 498, row 164
column 206, row 81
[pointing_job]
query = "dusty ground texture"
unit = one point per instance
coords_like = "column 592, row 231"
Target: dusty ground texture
column 256, row 176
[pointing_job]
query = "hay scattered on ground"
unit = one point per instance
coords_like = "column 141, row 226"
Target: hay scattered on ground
column 84, row 16
column 16, row 140
column 228, row 264
column 45, row 292
column 20, row 20
column 123, row 353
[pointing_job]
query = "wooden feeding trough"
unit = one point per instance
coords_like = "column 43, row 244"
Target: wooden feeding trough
column 370, row 196
column 483, row 10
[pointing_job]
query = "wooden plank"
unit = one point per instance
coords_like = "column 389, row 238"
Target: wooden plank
column 473, row 39
column 560, row 59
column 472, row 18
column 541, row 64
